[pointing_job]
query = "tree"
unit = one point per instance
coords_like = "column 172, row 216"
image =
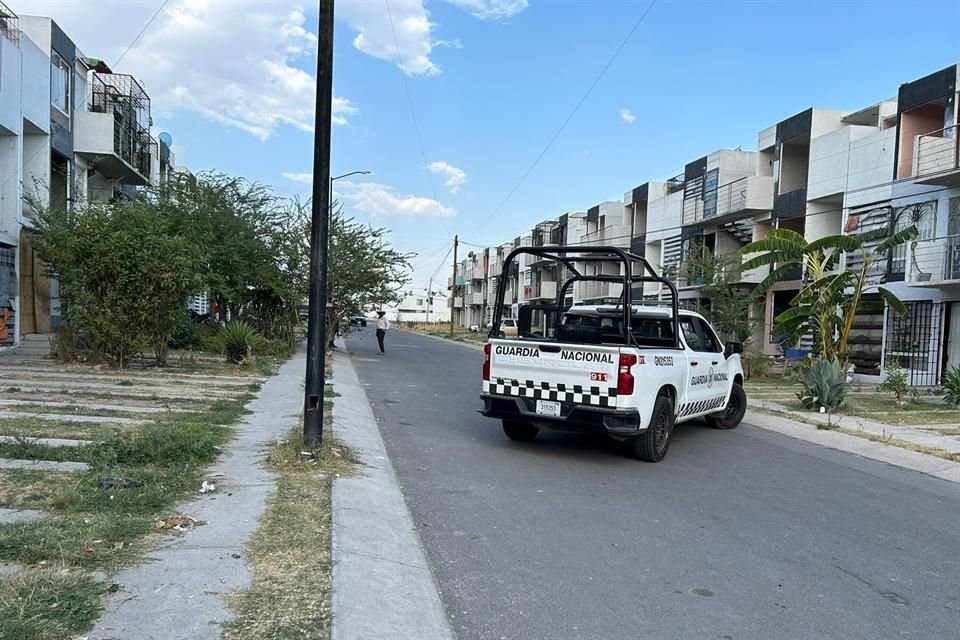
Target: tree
column 363, row 269
column 248, row 243
column 829, row 298
column 123, row 274
column 717, row 280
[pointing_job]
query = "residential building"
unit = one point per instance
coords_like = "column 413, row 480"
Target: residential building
column 71, row 131
column 819, row 172
column 420, row 306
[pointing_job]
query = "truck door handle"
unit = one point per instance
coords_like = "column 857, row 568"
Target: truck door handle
column 714, row 363
column 693, row 364
column 550, row 348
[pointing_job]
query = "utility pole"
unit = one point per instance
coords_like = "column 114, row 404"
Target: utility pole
column 429, row 298
column 453, row 291
column 319, row 229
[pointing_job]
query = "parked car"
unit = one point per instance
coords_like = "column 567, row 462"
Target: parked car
column 358, row 321
column 508, row 327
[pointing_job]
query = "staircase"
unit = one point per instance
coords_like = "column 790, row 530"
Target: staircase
column 35, row 345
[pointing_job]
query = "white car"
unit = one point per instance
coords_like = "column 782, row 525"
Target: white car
column 592, row 375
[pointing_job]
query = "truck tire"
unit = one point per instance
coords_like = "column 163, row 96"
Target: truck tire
column 520, row 431
column 734, row 412
column 652, row 444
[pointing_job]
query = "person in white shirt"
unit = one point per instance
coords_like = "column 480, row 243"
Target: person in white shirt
column 382, row 325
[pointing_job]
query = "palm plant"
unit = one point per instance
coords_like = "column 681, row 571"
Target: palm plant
column 829, row 297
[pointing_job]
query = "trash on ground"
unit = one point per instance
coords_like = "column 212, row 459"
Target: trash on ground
column 207, row 487
column 181, row 522
column 126, row 483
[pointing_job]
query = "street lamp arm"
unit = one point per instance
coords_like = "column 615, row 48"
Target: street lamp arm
column 352, row 173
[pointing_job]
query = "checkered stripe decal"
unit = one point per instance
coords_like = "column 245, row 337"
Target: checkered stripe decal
column 702, row 406
column 578, row 394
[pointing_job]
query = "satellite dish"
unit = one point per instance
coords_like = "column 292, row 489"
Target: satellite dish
column 166, row 139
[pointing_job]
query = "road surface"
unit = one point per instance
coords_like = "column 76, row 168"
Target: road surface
column 741, row 534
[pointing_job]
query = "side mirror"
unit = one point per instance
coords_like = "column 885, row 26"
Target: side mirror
column 731, row 348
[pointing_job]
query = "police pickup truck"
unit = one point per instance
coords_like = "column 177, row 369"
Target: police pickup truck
column 631, row 371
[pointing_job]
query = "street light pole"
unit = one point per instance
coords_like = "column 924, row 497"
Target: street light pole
column 346, row 175
column 319, row 229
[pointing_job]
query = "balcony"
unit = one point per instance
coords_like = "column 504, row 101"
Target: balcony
column 460, row 281
column 475, row 299
column 114, row 133
column 747, row 196
column 590, row 291
column 540, row 291
column 932, row 262
column 937, row 158
column 455, row 303
column 475, row 273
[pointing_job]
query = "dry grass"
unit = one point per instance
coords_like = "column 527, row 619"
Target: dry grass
column 27, row 600
column 289, row 553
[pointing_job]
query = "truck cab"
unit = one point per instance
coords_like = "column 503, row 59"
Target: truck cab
column 631, row 371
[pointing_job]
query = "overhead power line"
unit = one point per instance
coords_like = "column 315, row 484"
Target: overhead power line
column 142, row 31
column 576, row 108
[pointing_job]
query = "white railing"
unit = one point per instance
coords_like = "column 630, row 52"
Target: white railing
column 748, row 193
column 933, row 261
column 936, row 152
column 475, row 299
column 540, row 290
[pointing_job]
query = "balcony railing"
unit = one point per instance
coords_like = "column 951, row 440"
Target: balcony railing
column 475, row 299
column 937, row 157
column 933, row 262
column 9, row 25
column 599, row 290
column 750, row 193
column 540, row 290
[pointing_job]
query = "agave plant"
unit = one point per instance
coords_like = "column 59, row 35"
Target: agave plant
column 238, row 339
column 951, row 387
column 824, row 387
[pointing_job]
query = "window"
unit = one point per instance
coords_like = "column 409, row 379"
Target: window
column 60, row 83
column 710, row 341
column 690, row 335
column 923, row 216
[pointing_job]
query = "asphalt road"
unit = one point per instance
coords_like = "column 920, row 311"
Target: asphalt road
column 739, row 534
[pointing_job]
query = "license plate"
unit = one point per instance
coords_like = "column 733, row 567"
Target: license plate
column 548, row 408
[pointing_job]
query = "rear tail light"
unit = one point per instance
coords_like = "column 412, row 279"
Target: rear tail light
column 624, row 377
column 486, row 361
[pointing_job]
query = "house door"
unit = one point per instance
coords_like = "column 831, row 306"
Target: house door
column 953, row 338
column 28, row 316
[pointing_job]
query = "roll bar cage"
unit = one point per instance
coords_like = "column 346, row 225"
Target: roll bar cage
column 569, row 256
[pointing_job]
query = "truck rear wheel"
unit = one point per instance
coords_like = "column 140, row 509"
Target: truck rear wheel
column 520, row 431
column 734, row 412
column 652, row 444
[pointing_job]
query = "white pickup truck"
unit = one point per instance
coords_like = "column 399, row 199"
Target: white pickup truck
column 630, row 374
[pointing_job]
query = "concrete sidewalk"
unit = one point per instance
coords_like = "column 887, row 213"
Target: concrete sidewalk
column 788, row 422
column 383, row 588
column 178, row 593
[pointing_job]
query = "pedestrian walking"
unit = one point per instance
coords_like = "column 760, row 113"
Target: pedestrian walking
column 382, row 326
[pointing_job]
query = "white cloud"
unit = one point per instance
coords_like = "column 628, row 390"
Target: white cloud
column 491, row 9
column 299, row 177
column 627, row 116
column 241, row 63
column 411, row 32
column 455, row 178
column 380, row 200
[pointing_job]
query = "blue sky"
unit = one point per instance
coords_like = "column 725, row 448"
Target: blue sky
column 491, row 81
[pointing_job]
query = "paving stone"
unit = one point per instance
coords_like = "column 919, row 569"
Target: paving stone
column 113, row 378
column 11, row 569
column 141, row 391
column 42, row 465
column 70, row 417
column 12, row 516
column 49, row 442
column 88, row 405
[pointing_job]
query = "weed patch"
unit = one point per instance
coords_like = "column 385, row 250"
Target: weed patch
column 26, row 602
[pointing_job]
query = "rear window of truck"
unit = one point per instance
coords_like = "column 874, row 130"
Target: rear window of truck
column 597, row 329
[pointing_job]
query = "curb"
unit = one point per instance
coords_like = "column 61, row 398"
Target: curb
column 891, row 454
column 383, row 587
column 467, row 345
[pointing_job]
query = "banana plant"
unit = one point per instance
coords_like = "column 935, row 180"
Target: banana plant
column 829, row 297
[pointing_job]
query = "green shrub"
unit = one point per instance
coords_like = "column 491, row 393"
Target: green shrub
column 951, row 387
column 237, row 340
column 823, row 387
column 895, row 381
column 274, row 348
column 186, row 333
column 756, row 363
